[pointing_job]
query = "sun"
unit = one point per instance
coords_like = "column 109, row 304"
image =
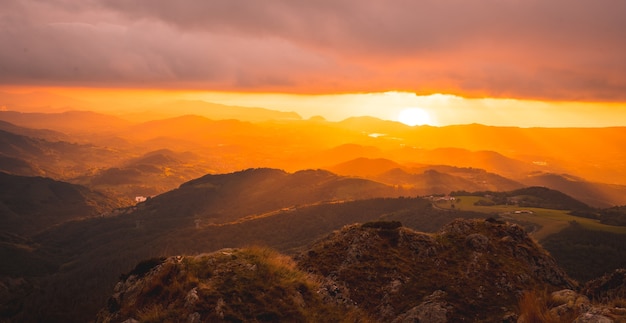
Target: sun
column 414, row 117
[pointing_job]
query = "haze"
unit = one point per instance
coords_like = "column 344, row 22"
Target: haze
column 510, row 63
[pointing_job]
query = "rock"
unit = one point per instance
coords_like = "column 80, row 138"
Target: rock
column 468, row 258
column 564, row 296
column 249, row 285
column 194, row 318
column 592, row 318
column 477, row 241
column 433, row 309
column 607, row 287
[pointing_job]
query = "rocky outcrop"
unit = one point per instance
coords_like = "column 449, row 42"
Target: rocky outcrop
column 470, row 270
column 231, row 285
column 607, row 287
column 569, row 306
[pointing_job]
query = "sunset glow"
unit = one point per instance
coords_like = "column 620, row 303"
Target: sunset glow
column 134, row 134
column 434, row 109
column 366, row 60
column 414, row 117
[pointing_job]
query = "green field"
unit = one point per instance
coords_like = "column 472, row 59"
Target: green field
column 549, row 221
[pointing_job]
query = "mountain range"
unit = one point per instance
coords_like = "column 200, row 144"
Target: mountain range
column 85, row 197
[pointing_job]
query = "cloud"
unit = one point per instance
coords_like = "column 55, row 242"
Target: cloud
column 555, row 49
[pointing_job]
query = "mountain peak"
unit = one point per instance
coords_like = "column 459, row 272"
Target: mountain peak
column 471, row 269
column 232, row 285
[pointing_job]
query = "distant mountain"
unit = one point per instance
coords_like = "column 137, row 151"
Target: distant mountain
column 217, row 111
column 479, row 177
column 365, row 167
column 544, row 149
column 227, row 197
column 196, row 129
column 595, row 194
column 490, row 161
column 49, row 135
column 69, row 122
column 150, row 174
column 32, row 204
column 40, row 101
column 54, row 159
column 16, row 166
column 423, row 179
column 534, row 196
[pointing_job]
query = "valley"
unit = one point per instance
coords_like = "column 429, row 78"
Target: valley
column 82, row 203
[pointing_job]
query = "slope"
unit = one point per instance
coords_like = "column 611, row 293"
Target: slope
column 32, row 204
column 471, row 270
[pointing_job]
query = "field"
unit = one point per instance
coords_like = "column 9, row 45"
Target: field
column 549, row 221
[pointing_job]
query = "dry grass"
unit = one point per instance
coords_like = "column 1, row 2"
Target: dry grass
column 534, row 308
column 154, row 313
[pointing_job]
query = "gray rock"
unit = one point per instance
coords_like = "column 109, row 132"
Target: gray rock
column 592, row 318
column 477, row 241
column 434, row 309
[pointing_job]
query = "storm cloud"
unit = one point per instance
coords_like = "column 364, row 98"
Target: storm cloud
column 559, row 49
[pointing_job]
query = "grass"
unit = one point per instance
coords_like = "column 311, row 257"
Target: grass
column 254, row 284
column 549, row 221
column 535, row 308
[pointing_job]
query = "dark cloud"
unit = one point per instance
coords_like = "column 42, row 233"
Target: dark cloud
column 559, row 49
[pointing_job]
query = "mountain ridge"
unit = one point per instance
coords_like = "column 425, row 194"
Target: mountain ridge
column 469, row 271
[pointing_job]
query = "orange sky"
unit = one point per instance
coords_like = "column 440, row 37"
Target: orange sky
column 565, row 54
column 442, row 109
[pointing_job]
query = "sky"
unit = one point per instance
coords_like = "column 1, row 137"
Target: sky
column 566, row 54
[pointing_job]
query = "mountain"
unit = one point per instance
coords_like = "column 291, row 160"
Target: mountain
column 48, row 135
column 490, row 161
column 424, row 179
column 18, row 166
column 231, row 285
column 97, row 250
column 39, row 101
column 365, row 167
column 69, row 122
column 31, row 204
column 216, row 111
column 227, row 197
column 469, row 271
column 596, row 194
column 533, row 196
column 150, row 174
column 79, row 261
column 55, row 159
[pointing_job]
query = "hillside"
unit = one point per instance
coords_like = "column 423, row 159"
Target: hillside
column 61, row 160
column 469, row 271
column 227, row 197
column 216, row 111
column 150, row 174
column 73, row 122
column 45, row 134
column 95, row 251
column 596, row 194
column 232, row 285
column 534, row 196
column 31, row 204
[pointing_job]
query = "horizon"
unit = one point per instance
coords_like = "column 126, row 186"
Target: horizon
column 525, row 64
column 408, row 108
